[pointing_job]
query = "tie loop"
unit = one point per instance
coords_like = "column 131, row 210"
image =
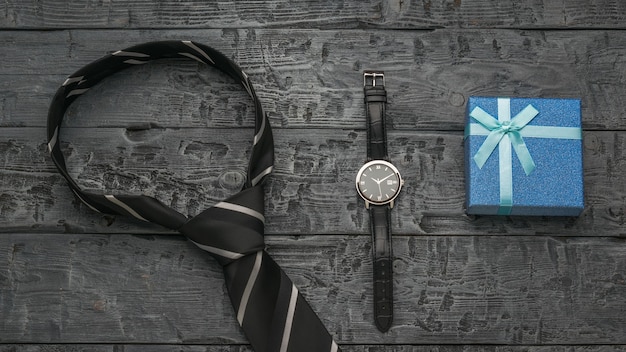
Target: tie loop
column 144, row 207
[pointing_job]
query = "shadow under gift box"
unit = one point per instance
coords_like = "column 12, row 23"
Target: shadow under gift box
column 523, row 156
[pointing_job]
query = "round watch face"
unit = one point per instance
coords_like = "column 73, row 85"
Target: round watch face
column 378, row 182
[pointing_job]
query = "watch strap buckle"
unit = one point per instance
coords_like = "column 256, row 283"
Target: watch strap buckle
column 371, row 77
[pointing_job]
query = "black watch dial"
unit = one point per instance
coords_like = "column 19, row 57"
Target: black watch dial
column 378, row 182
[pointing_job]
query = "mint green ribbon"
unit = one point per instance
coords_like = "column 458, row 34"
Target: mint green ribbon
column 507, row 133
column 500, row 129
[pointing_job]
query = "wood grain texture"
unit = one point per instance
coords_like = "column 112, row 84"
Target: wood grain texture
column 313, row 181
column 313, row 79
column 389, row 14
column 72, row 280
column 347, row 348
column 463, row 290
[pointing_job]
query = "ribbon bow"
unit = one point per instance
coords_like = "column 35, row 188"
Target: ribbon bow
column 502, row 128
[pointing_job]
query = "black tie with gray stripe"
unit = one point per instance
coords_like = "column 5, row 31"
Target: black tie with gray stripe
column 271, row 311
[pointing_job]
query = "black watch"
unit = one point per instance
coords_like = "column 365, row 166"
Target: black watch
column 378, row 182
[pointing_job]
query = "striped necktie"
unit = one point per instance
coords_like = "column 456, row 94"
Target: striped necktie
column 273, row 314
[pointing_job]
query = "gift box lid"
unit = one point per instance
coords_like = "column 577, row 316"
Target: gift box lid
column 539, row 142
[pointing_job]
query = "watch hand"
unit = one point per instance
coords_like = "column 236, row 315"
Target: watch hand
column 385, row 178
column 375, row 180
column 380, row 190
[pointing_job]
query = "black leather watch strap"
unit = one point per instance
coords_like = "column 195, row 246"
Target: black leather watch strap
column 383, row 269
column 375, row 101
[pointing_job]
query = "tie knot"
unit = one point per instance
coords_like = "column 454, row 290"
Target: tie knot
column 230, row 229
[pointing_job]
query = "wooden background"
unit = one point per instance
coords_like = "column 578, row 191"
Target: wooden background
column 74, row 280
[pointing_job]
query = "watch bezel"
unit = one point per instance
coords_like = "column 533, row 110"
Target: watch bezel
column 385, row 163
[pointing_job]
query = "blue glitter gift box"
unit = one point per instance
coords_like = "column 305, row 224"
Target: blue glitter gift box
column 523, row 156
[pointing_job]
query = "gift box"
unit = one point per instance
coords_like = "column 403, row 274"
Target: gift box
column 523, row 156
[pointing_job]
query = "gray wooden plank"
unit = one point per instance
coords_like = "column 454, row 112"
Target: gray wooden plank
column 391, row 14
column 347, row 348
column 311, row 78
column 191, row 169
column 100, row 289
column 25, row 99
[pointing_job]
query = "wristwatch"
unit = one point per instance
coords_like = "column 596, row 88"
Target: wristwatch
column 379, row 182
